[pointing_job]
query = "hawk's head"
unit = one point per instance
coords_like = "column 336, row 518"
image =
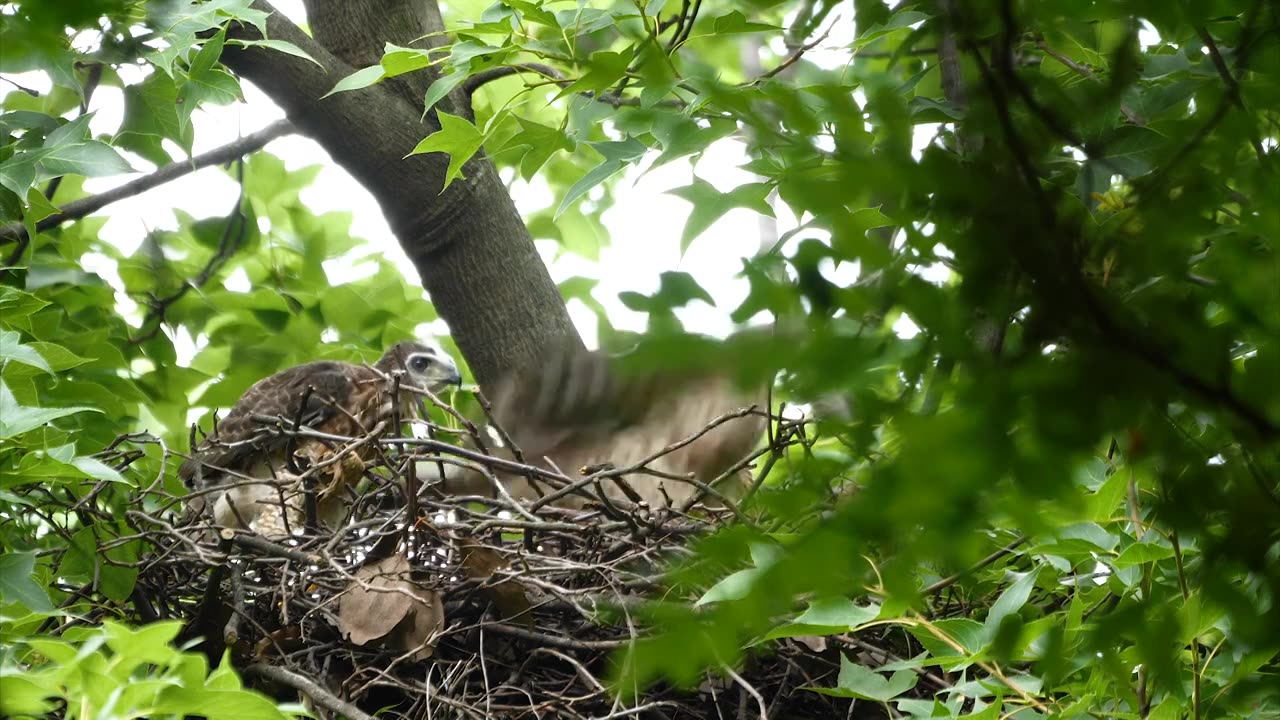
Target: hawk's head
column 424, row 365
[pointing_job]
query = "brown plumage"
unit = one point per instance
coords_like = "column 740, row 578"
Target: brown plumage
column 576, row 409
column 340, row 399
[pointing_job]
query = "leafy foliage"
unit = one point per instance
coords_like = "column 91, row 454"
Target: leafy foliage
column 1059, row 496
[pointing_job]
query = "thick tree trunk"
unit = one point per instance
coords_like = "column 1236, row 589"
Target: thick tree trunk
column 469, row 245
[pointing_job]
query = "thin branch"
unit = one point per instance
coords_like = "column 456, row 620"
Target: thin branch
column 77, row 209
column 473, row 83
column 1087, row 72
column 799, row 53
column 554, row 77
column 949, row 581
column 233, row 235
column 310, row 688
column 1233, row 86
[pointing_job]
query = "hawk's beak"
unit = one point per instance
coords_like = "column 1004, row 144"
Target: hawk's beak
column 453, row 377
column 447, row 373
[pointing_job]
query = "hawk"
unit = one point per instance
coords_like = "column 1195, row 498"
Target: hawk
column 242, row 465
column 576, row 409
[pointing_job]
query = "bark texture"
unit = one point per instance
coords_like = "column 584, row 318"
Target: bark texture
column 469, row 245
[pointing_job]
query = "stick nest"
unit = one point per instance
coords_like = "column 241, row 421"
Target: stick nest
column 439, row 607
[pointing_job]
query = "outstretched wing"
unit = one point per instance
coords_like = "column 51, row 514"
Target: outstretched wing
column 315, row 393
column 578, row 408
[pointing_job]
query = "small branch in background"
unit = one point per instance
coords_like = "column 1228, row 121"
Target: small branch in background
column 799, row 53
column 682, row 34
column 1233, row 86
column 233, row 235
column 949, row 581
column 1087, row 72
column 554, row 76
column 473, row 83
column 683, row 22
column 21, row 88
column 77, row 209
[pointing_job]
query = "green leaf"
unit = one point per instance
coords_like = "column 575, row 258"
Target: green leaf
column 603, row 70
column 38, row 206
column 1106, row 502
column 15, row 304
column 11, row 348
column 1010, row 601
column 219, row 704
column 205, row 82
column 1141, row 554
column 18, row 173
column 1135, row 151
column 17, row 585
column 398, row 60
column 738, row 584
column 736, row 22
column 361, row 78
column 150, row 643
column 970, row 634
column 900, row 21
column 21, row 696
column 441, row 87
column 709, row 205
column 828, row 616
column 91, row 467
column 89, row 158
column 85, row 561
column 151, row 115
column 16, row 419
column 856, row 681
column 457, row 138
column 281, row 46
column 538, row 142
column 616, row 156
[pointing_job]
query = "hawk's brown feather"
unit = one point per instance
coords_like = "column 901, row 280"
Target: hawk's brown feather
column 328, row 388
column 337, row 398
column 577, row 408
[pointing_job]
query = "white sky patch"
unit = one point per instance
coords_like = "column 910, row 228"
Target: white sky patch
column 905, row 327
column 1147, row 35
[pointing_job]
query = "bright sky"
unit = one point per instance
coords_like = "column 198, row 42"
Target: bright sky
column 645, row 224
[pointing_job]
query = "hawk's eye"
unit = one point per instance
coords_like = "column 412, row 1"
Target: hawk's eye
column 419, row 363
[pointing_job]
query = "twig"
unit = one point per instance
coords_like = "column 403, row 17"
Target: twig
column 948, row 581
column 751, row 690
column 1233, row 86
column 799, row 53
column 1086, row 71
column 233, row 235
column 311, row 689
column 473, row 83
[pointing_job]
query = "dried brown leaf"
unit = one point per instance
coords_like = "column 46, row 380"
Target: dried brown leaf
column 377, row 599
column 480, row 563
column 417, row 631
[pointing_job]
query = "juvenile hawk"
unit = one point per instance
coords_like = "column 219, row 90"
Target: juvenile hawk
column 231, row 464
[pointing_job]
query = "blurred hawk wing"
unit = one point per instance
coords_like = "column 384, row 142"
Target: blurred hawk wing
column 576, row 408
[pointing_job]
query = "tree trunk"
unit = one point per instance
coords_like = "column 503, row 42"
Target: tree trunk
column 469, row 245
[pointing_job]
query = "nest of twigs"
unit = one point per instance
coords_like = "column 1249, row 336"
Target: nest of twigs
column 437, row 607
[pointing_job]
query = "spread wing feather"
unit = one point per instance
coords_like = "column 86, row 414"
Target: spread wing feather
column 579, row 408
column 240, row 437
